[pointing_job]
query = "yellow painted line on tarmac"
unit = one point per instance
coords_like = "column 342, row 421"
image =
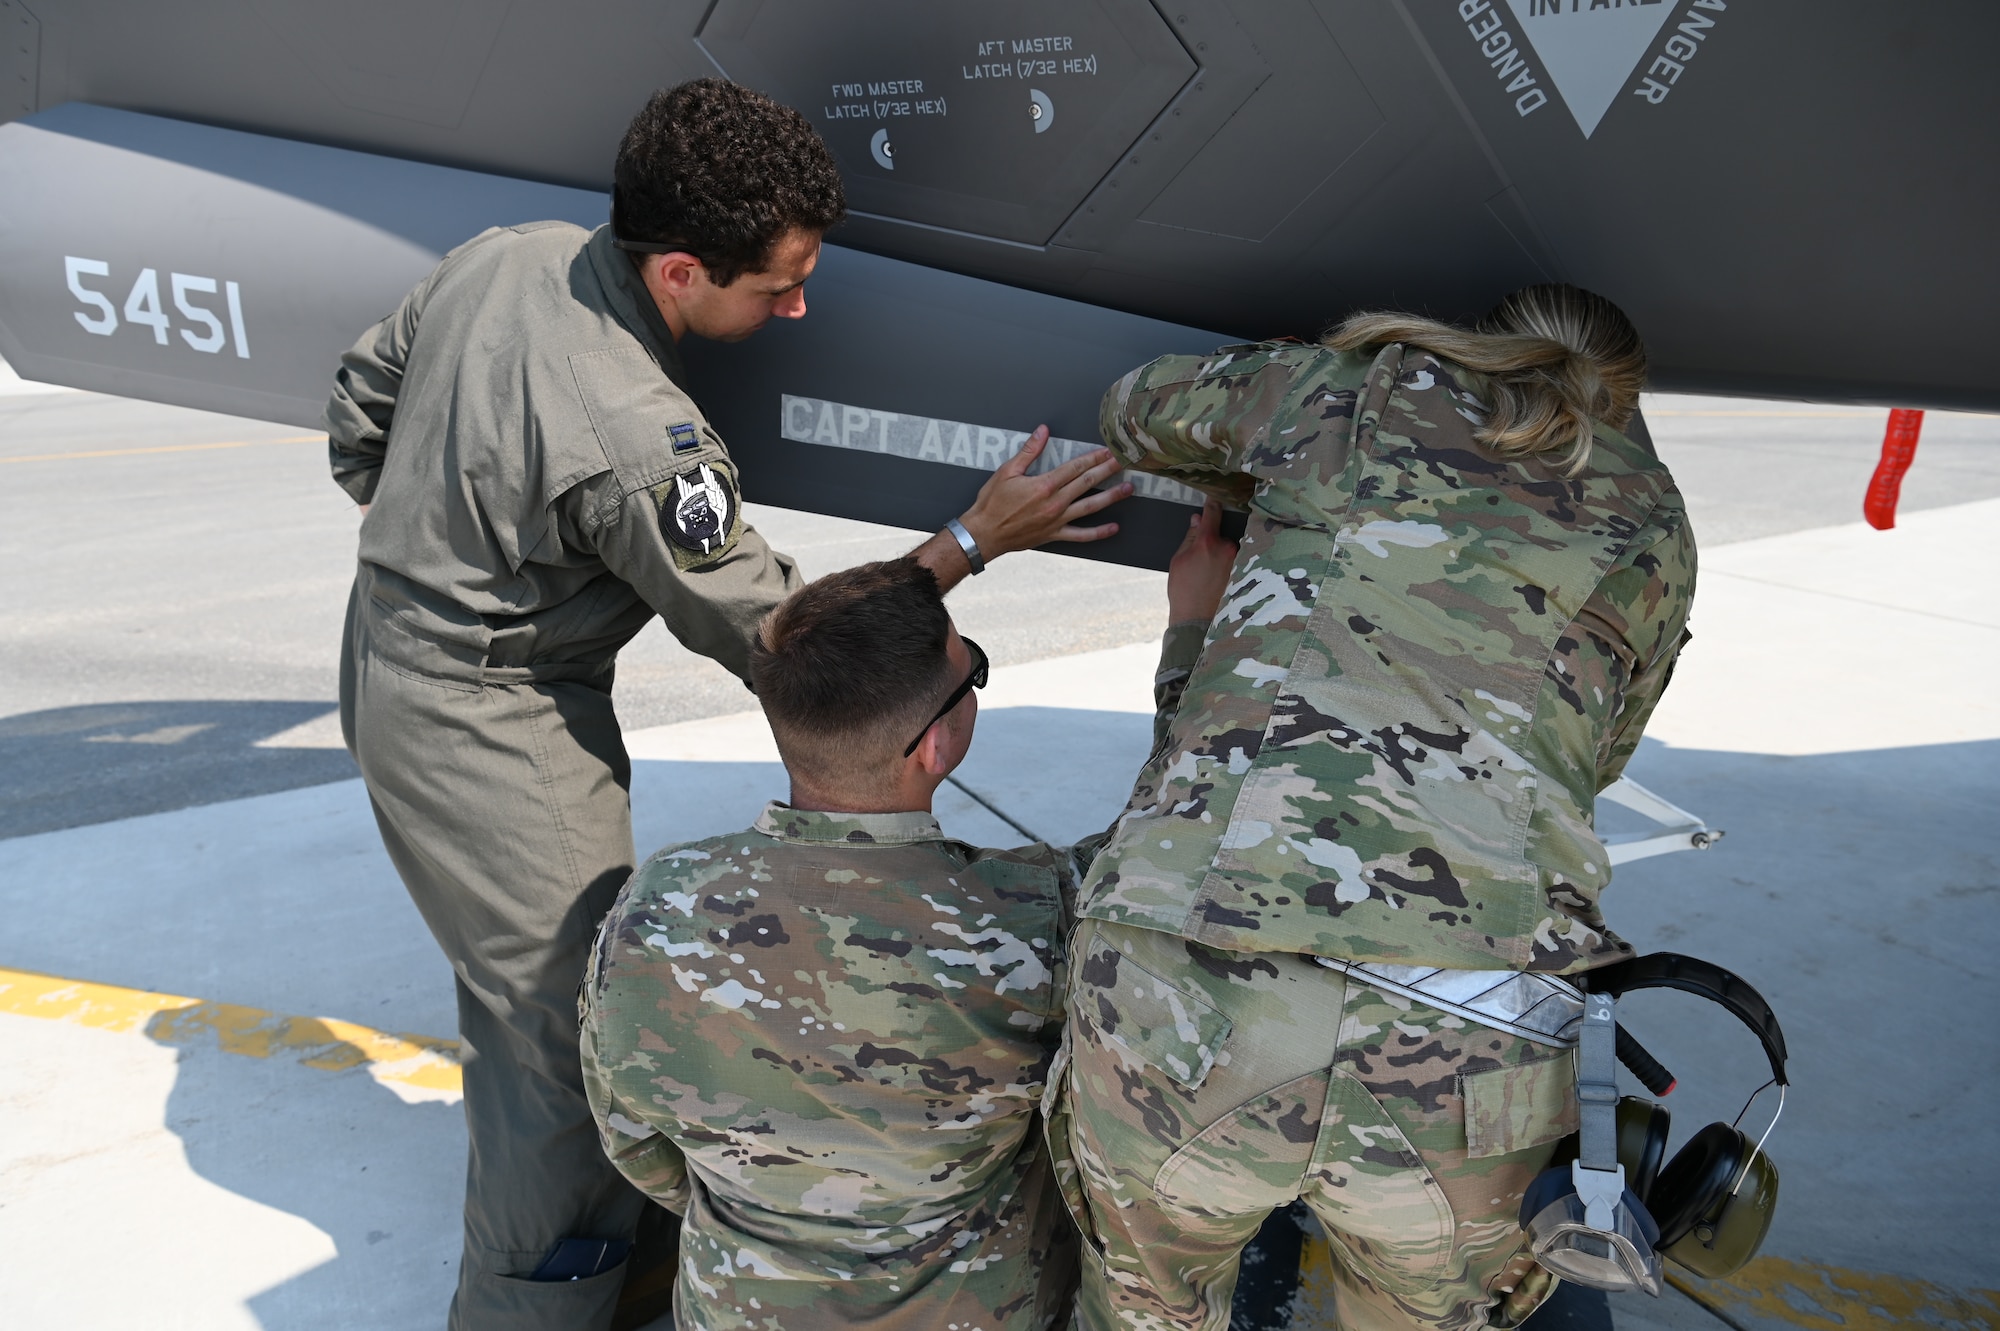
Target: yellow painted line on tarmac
column 168, row 448
column 417, row 1066
column 1831, row 1298
column 1770, row 1290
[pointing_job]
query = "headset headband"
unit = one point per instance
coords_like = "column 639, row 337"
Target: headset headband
column 1703, row 979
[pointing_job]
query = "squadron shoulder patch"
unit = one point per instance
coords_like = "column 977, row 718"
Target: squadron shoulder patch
column 684, row 437
column 698, row 509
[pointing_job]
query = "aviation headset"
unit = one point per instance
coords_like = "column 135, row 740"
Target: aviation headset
column 1605, row 1219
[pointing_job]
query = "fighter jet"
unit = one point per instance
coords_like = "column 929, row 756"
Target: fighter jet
column 204, row 203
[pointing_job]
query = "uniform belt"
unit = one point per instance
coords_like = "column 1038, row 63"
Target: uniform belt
column 389, row 622
column 1545, row 1008
column 390, row 635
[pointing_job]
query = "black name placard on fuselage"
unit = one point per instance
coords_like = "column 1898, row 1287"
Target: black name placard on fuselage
column 903, row 387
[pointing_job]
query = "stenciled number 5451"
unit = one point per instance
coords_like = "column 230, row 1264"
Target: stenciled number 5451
column 143, row 307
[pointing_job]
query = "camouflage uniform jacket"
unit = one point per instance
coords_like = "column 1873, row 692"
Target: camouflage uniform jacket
column 1428, row 662
column 824, row 1041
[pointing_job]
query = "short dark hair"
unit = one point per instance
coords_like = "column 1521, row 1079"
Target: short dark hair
column 724, row 173
column 849, row 666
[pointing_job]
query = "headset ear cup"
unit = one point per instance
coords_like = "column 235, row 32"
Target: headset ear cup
column 1642, row 1143
column 1728, row 1234
column 1696, row 1179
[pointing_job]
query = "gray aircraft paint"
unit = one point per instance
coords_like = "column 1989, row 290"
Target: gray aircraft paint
column 909, row 348
column 1790, row 198
column 953, row 90
column 317, row 243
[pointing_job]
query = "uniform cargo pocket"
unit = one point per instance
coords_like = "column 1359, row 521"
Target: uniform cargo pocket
column 1150, row 1019
column 1513, row 1108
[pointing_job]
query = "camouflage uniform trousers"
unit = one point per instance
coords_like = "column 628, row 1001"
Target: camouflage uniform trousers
column 1204, row 1088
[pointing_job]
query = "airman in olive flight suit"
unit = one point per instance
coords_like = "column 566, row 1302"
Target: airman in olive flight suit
column 525, row 525
column 538, row 484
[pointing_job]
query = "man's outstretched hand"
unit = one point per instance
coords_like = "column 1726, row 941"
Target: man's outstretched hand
column 1016, row 511
column 1198, row 574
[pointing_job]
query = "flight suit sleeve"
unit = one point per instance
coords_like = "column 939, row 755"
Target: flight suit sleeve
column 711, row 598
column 637, row 1149
column 1646, row 601
column 1210, row 421
column 363, row 404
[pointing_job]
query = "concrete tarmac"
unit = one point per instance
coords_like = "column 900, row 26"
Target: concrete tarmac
column 176, row 582
column 233, row 1106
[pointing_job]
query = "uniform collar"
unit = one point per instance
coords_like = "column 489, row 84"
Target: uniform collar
column 628, row 298
column 848, row 829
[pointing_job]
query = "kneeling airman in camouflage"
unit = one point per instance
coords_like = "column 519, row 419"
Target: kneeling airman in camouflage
column 1460, row 594
column 823, row 1040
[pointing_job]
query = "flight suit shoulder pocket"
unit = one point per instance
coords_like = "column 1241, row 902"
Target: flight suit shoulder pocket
column 1521, row 1105
column 1156, row 1022
column 647, row 428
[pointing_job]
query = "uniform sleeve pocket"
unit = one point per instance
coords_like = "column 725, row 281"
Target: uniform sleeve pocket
column 1150, row 1019
column 1522, row 1105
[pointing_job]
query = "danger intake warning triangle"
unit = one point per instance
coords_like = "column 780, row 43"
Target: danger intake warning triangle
column 1590, row 47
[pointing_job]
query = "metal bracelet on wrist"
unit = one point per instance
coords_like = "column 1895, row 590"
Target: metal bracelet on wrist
column 967, row 544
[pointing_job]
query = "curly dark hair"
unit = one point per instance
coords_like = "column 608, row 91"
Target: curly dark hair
column 723, row 172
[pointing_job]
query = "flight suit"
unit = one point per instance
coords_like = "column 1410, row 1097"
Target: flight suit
column 540, row 487
column 1429, row 660
column 824, row 1039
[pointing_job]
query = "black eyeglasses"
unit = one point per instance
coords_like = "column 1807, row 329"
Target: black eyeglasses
column 975, row 680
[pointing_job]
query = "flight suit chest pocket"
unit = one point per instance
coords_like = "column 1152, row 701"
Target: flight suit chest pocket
column 1156, row 1022
column 657, row 444
column 645, row 428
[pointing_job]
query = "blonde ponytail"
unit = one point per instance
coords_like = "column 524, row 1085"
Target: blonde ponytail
column 1557, row 358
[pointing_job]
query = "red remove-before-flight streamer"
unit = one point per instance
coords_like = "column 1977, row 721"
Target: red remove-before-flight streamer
column 1899, row 449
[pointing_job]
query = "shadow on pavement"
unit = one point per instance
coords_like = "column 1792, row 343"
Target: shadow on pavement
column 382, row 1179
column 1851, row 887
column 72, row 766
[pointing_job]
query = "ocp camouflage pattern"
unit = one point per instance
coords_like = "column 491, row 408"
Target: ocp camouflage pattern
column 824, row 1040
column 1205, row 1088
column 1429, row 661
